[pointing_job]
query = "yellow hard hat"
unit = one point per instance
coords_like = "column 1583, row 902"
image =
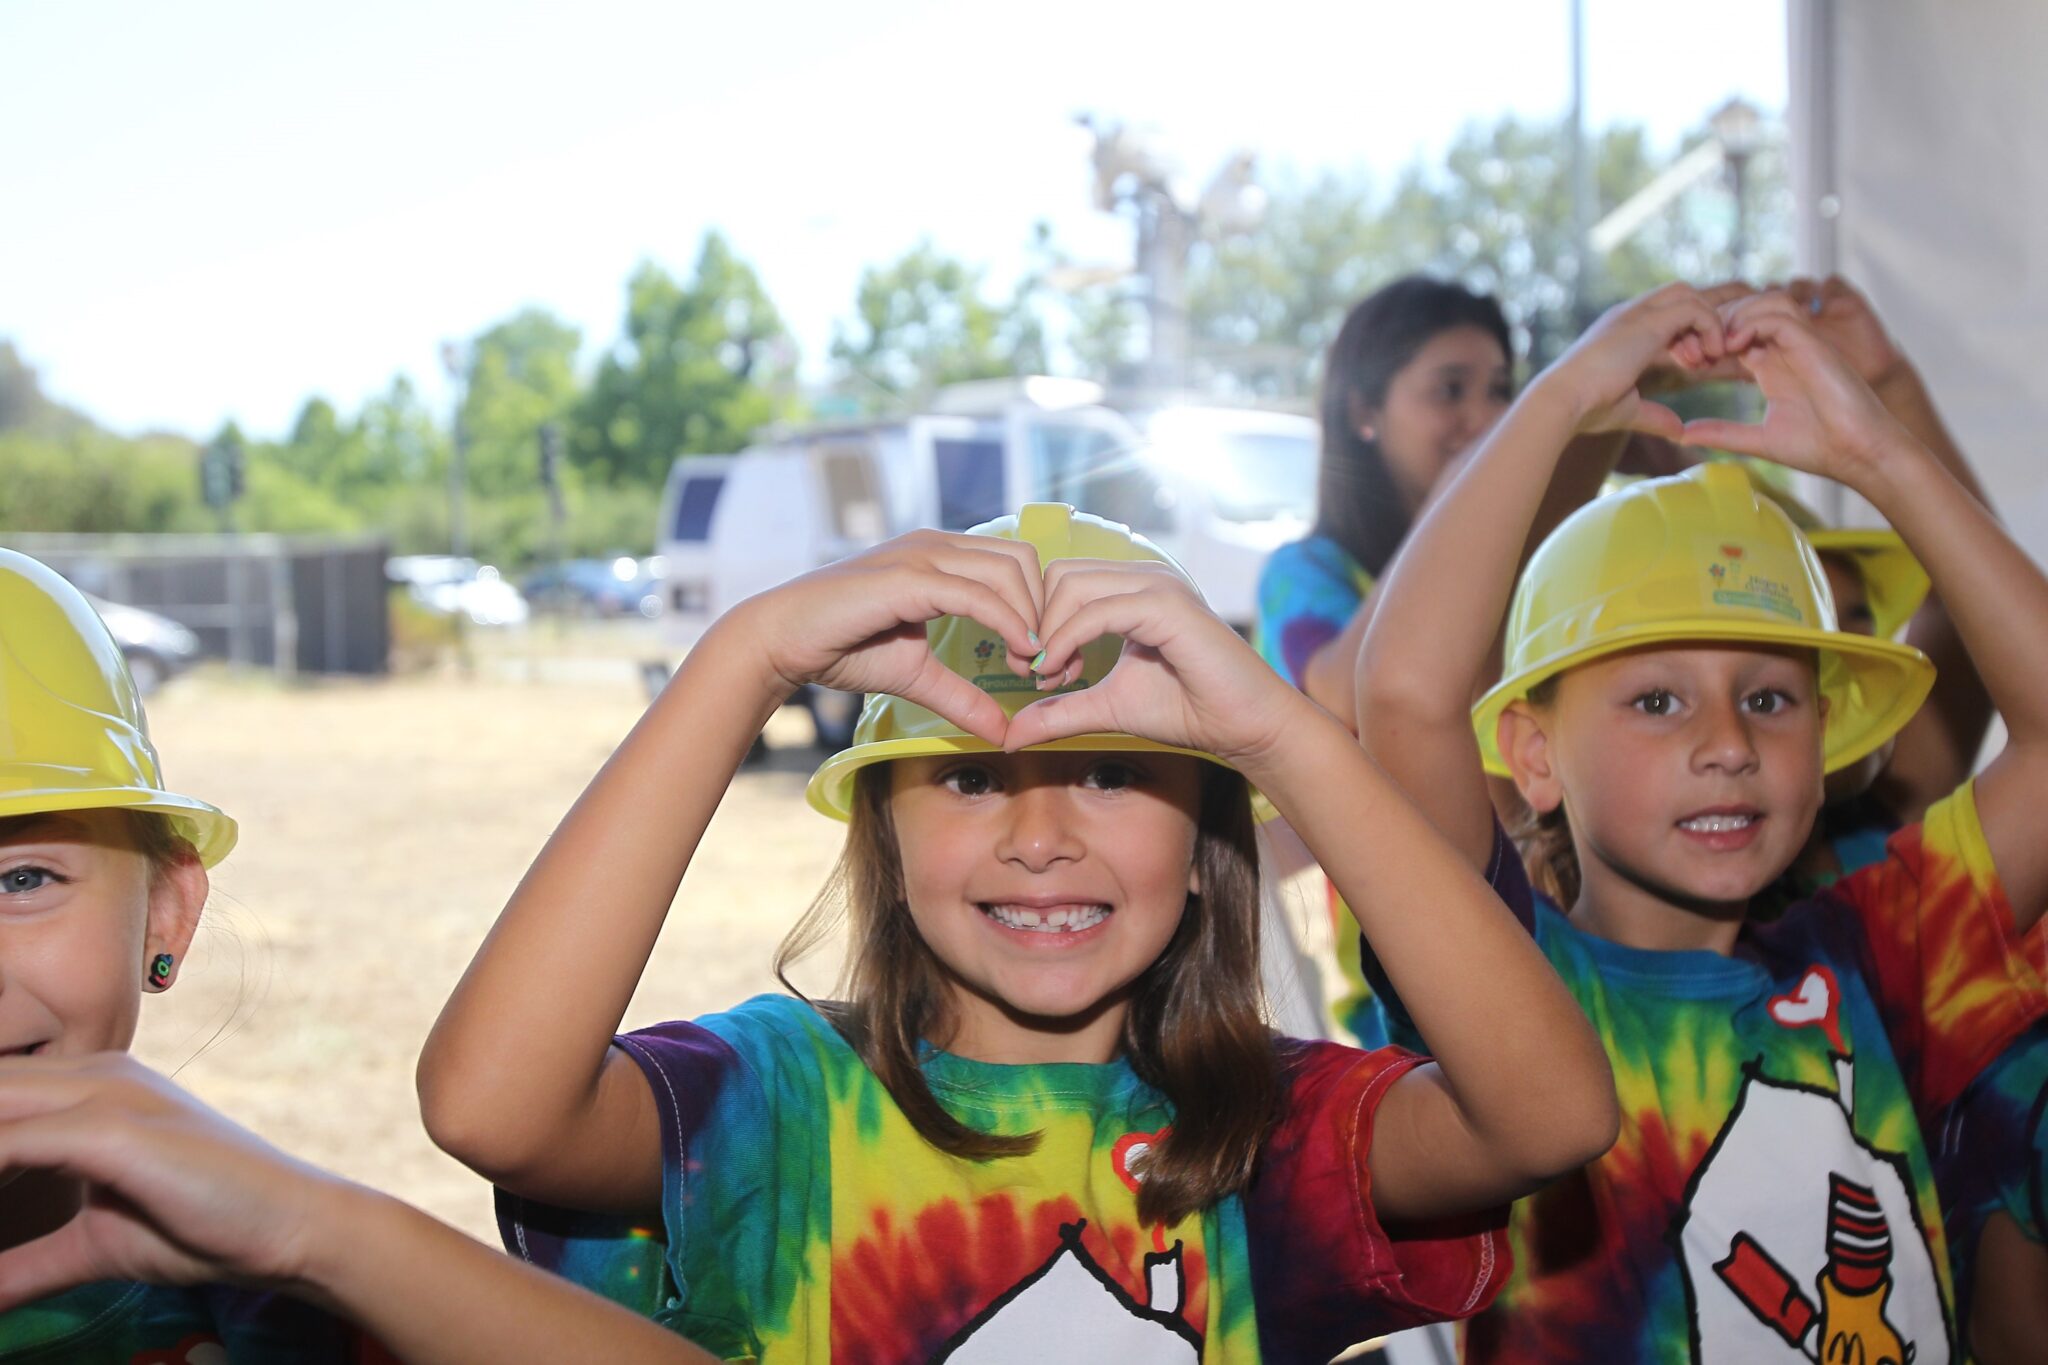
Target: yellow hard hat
column 1701, row 557
column 1893, row 580
column 72, row 733
column 892, row 728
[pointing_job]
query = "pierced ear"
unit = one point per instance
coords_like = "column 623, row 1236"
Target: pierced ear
column 1525, row 744
column 177, row 896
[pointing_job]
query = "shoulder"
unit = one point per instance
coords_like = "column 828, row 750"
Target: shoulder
column 1313, row 557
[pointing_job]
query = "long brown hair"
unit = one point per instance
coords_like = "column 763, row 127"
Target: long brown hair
column 1195, row 1029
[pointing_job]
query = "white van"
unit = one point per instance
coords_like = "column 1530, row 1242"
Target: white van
column 1216, row 488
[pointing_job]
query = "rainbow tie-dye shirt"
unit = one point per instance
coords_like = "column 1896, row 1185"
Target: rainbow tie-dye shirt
column 804, row 1218
column 1756, row 1089
column 120, row 1323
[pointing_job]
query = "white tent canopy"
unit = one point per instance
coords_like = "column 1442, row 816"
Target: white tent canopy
column 1920, row 165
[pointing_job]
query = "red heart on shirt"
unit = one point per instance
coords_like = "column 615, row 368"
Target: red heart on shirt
column 1816, row 1003
column 1129, row 1152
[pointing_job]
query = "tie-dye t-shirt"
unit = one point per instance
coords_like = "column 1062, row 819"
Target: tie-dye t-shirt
column 1990, row 1147
column 1770, row 1197
column 117, row 1323
column 1308, row 593
column 805, row 1219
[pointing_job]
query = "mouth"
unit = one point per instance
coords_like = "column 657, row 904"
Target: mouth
column 1723, row 827
column 25, row 1050
column 1073, row 917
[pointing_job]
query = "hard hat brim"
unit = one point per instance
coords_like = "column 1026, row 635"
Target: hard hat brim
column 1893, row 577
column 831, row 788
column 210, row 831
column 1888, row 680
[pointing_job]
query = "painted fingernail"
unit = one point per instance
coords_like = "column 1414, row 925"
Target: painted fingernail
column 1032, row 636
column 1039, row 661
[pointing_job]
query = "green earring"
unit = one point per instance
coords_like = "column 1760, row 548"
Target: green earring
column 160, row 972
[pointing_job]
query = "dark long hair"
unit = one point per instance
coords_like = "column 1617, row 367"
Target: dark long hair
column 1195, row 1029
column 1357, row 504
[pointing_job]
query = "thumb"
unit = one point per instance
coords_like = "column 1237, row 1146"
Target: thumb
column 951, row 697
column 48, row 1265
column 1062, row 716
column 1742, row 438
column 1657, row 420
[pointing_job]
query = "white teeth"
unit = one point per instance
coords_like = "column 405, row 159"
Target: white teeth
column 1717, row 824
column 1062, row 921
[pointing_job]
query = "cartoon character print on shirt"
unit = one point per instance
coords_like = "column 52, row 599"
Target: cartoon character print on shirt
column 1801, row 1241
column 1073, row 1301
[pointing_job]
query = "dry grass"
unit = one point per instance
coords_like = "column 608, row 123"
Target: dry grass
column 383, row 825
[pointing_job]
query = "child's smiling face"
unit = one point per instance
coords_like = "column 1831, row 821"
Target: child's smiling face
column 1690, row 773
column 1045, row 883
column 82, row 910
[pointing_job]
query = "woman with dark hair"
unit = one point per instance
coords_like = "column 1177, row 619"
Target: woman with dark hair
column 1418, row 373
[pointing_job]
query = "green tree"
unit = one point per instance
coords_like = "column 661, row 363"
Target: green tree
column 702, row 363
column 922, row 321
column 522, row 374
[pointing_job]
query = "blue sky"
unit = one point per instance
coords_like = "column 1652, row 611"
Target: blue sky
column 217, row 208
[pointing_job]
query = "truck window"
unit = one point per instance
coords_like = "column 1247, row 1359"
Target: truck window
column 970, row 482
column 855, row 501
column 694, row 506
column 1097, row 472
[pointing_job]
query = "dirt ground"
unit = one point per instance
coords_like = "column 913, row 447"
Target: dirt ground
column 383, row 825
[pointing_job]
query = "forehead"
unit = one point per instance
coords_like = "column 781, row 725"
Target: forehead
column 1702, row 662
column 105, row 828
column 1459, row 348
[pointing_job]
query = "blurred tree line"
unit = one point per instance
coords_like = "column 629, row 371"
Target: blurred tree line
column 704, row 359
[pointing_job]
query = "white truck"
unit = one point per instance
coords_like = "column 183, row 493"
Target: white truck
column 1217, row 488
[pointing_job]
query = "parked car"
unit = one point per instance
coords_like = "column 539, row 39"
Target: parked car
column 156, row 647
column 457, row 585
column 595, row 587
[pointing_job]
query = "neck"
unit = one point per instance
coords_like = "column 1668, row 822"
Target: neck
column 1621, row 910
column 35, row 1205
column 985, row 1030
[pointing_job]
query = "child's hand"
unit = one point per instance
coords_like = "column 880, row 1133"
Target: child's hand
column 1819, row 417
column 859, row 625
column 1840, row 313
column 174, row 1193
column 1184, row 677
column 1667, row 376
column 1603, row 371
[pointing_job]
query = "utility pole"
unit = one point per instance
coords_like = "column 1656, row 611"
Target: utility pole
column 454, row 360
column 1585, row 272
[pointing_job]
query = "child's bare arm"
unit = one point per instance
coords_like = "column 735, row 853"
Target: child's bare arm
column 1936, row 751
column 1441, row 604
column 1522, row 1091
column 519, row 1079
column 1823, row 419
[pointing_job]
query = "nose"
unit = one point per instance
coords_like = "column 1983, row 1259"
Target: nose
column 1722, row 740
column 1038, row 829
column 1476, row 416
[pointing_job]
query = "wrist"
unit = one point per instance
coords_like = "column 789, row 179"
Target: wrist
column 738, row 642
column 340, row 1219
column 1551, row 399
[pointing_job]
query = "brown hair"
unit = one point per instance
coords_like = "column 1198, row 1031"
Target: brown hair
column 1545, row 839
column 1195, row 1029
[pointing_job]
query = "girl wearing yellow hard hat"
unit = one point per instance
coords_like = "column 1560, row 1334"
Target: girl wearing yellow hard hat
column 1674, row 690
column 1047, row 1119
column 135, row 1223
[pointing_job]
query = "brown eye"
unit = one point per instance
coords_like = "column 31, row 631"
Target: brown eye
column 970, row 780
column 1112, row 777
column 1655, row 702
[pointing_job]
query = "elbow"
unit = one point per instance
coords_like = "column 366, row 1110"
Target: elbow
column 459, row 1112
column 1580, row 1121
